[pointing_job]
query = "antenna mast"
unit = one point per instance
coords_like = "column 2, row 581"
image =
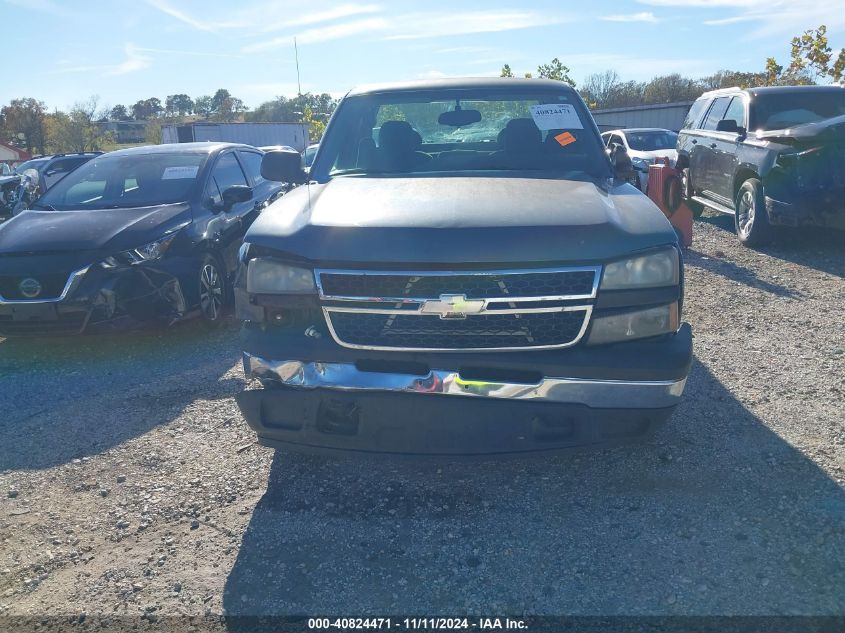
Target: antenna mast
column 296, row 54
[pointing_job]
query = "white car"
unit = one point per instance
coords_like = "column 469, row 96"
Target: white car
column 644, row 144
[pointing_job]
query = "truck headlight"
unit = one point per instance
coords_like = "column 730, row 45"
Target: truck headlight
column 269, row 276
column 628, row 326
column 641, row 163
column 645, row 271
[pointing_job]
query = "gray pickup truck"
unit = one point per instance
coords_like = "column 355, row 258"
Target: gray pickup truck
column 464, row 271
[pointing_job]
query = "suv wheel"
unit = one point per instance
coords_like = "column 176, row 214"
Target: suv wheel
column 751, row 219
column 212, row 291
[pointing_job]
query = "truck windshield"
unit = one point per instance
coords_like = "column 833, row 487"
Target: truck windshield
column 462, row 131
column 779, row 110
column 124, row 181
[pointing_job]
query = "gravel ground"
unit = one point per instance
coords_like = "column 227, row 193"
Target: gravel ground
column 129, row 484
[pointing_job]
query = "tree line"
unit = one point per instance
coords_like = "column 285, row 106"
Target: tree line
column 812, row 61
column 27, row 124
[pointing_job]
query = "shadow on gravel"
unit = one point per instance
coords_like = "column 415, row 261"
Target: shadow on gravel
column 822, row 249
column 715, row 515
column 68, row 398
column 735, row 272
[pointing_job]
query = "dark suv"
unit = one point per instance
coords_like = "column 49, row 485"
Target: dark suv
column 464, row 271
column 51, row 169
column 768, row 156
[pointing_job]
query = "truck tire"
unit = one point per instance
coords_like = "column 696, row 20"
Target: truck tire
column 751, row 219
column 686, row 186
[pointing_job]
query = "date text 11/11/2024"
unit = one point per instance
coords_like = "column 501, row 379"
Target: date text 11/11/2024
column 431, row 624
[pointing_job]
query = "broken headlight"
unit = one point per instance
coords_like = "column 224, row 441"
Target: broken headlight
column 146, row 253
column 269, row 276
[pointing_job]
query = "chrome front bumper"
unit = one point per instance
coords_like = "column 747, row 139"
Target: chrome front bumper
column 598, row 394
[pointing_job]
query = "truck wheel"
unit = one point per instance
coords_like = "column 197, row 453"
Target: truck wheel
column 213, row 293
column 686, row 186
column 751, row 219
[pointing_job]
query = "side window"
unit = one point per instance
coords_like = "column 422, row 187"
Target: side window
column 59, row 169
column 227, row 172
column 694, row 114
column 605, row 139
column 252, row 161
column 736, row 111
column 716, row 113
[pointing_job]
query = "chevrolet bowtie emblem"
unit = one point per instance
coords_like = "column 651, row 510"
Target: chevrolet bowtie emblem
column 453, row 306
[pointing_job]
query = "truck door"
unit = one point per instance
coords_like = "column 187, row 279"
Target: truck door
column 701, row 157
column 726, row 151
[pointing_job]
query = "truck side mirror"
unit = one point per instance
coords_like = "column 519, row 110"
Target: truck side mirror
column 283, row 166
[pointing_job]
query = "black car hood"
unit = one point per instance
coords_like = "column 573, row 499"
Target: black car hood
column 450, row 220
column 827, row 129
column 101, row 230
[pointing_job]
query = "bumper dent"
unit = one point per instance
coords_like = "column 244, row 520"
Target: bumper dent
column 596, row 394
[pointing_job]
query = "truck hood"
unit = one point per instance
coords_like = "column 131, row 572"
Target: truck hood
column 459, row 220
column 832, row 129
column 101, row 230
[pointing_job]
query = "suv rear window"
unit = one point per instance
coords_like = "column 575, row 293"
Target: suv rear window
column 694, row 114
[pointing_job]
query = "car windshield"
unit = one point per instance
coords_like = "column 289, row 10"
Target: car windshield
column 652, row 140
column 136, row 180
column 35, row 163
column 463, row 131
column 779, row 110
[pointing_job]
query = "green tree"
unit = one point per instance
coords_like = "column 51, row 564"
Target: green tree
column 203, row 106
column 147, row 109
column 119, row 113
column 555, row 70
column 811, row 54
column 78, row 131
column 23, row 123
column 506, row 71
column 217, row 100
column 230, row 109
column 178, row 105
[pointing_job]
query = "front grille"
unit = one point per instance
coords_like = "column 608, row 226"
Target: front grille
column 51, row 286
column 414, row 311
column 70, row 323
column 571, row 283
column 482, row 331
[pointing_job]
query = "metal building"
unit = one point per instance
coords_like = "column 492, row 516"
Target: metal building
column 259, row 134
column 669, row 116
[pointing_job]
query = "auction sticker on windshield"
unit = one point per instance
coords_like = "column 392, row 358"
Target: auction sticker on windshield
column 180, row 172
column 556, row 116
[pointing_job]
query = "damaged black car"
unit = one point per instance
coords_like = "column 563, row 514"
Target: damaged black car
column 136, row 236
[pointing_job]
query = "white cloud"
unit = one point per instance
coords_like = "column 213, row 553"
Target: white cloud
column 134, row 62
column 170, row 51
column 196, row 23
column 321, row 34
column 426, row 25
column 342, row 11
column 643, row 16
column 766, row 17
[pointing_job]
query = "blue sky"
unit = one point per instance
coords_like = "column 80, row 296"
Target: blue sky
column 62, row 51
